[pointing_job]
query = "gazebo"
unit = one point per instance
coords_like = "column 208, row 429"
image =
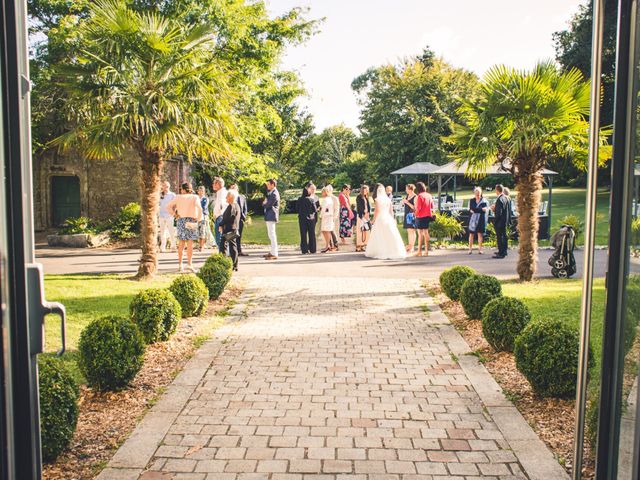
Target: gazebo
column 418, row 168
column 452, row 170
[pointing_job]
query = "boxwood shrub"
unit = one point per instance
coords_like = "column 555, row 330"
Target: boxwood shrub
column 451, row 280
column 503, row 318
column 476, row 292
column 191, row 293
column 546, row 353
column 58, row 406
column 156, row 312
column 111, row 352
column 216, row 273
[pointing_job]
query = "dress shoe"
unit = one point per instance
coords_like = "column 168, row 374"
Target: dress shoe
column 242, row 254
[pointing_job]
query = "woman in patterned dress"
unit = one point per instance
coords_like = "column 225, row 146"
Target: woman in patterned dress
column 186, row 208
column 346, row 215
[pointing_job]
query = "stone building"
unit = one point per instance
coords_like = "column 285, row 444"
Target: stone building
column 71, row 185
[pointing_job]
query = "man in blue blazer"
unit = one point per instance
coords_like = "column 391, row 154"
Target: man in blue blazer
column 271, row 206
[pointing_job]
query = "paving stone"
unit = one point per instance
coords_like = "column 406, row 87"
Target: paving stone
column 332, row 378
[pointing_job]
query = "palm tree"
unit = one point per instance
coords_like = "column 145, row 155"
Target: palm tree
column 524, row 119
column 148, row 84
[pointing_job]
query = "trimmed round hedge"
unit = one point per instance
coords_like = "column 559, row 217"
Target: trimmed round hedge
column 58, row 406
column 156, row 312
column 546, row 353
column 452, row 279
column 503, row 318
column 191, row 293
column 476, row 292
column 111, row 352
column 216, row 273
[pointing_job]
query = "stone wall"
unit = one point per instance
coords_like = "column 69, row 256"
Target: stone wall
column 105, row 185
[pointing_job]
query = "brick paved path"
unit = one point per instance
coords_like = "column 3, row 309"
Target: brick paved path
column 334, row 378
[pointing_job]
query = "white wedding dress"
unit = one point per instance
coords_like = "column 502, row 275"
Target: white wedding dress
column 385, row 242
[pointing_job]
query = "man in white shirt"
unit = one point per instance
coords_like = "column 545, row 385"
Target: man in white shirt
column 165, row 219
column 218, row 207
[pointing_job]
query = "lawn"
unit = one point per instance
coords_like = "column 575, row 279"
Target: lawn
column 566, row 201
column 87, row 297
column 561, row 299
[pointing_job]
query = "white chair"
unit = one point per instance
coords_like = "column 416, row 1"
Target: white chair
column 543, row 208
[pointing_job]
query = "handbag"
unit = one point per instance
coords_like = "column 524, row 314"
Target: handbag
column 191, row 225
column 230, row 236
column 411, row 219
column 366, row 226
column 473, row 222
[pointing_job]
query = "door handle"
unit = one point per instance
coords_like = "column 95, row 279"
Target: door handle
column 39, row 308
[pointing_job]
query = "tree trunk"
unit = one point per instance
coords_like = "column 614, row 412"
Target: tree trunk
column 151, row 165
column 529, row 186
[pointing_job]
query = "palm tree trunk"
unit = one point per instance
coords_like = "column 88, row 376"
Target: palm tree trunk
column 529, row 186
column 151, row 165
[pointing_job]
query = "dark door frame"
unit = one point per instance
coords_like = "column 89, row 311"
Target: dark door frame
column 622, row 169
column 25, row 434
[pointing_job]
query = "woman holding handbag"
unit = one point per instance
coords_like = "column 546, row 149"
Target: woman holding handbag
column 187, row 210
column 230, row 227
column 479, row 209
column 409, row 222
column 363, row 222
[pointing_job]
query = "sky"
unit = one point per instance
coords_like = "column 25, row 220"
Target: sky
column 359, row 34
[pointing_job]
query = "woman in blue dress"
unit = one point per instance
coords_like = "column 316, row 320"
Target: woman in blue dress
column 479, row 209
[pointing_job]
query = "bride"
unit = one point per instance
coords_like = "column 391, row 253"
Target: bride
column 385, row 242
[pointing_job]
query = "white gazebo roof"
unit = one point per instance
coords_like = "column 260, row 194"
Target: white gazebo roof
column 418, row 168
column 453, row 168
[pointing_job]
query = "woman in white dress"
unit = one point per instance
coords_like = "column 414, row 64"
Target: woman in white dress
column 385, row 242
column 327, row 222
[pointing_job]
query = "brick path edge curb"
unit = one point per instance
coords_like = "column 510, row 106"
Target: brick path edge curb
column 536, row 459
column 133, row 456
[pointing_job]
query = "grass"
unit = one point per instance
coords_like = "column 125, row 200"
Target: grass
column 566, row 201
column 554, row 298
column 87, row 297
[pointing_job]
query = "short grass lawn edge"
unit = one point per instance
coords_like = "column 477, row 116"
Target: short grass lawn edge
column 108, row 419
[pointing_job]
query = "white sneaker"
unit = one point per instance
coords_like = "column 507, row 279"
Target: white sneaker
column 180, row 269
column 191, row 269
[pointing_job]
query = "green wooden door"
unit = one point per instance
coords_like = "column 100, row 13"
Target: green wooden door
column 65, row 198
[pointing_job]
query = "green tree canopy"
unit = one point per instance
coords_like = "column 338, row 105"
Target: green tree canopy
column 525, row 119
column 573, row 50
column 407, row 108
column 327, row 151
column 161, row 87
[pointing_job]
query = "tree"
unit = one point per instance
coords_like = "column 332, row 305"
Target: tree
column 407, row 108
column 526, row 118
column 573, row 50
column 285, row 147
column 161, row 85
column 327, row 152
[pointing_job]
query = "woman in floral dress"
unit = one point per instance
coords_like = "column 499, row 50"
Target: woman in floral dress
column 346, row 214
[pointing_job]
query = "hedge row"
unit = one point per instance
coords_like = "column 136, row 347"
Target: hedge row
column 111, row 349
column 545, row 350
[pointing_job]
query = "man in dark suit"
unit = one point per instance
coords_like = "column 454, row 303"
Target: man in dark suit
column 502, row 212
column 242, row 203
column 230, row 224
column 271, row 206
